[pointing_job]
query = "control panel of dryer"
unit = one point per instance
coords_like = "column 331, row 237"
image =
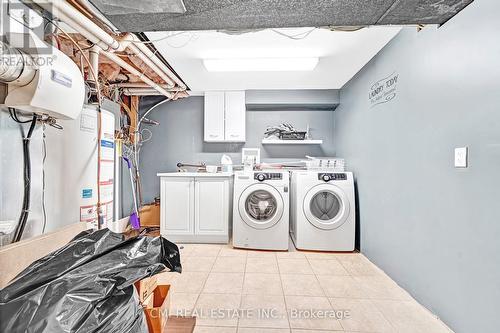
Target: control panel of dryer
column 262, row 176
column 332, row 176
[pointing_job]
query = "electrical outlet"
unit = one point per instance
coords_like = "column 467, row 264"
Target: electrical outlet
column 461, row 157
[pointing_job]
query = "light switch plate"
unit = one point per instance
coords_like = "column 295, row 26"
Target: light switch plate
column 461, row 157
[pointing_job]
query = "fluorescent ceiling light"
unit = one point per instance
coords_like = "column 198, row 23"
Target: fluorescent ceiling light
column 261, row 64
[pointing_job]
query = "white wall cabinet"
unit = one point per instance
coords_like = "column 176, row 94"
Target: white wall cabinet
column 225, row 116
column 234, row 125
column 195, row 208
column 214, row 116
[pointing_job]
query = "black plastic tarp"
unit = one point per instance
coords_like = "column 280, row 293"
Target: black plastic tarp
column 87, row 285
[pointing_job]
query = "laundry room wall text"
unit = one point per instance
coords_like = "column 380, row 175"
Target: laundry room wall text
column 384, row 90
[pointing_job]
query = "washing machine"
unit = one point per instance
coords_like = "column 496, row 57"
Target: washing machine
column 261, row 210
column 323, row 210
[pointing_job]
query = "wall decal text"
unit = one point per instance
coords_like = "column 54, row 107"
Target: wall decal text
column 384, row 90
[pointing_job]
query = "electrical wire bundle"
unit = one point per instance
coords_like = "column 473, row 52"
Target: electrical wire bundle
column 23, row 218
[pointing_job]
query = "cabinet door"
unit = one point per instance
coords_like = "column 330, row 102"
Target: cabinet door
column 177, row 204
column 235, row 116
column 211, row 206
column 214, row 116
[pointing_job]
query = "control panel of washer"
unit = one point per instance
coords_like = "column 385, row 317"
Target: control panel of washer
column 332, row 176
column 262, row 176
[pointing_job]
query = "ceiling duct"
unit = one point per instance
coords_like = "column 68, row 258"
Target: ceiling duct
column 140, row 16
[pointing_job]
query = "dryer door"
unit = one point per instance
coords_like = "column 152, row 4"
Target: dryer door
column 326, row 206
column 261, row 206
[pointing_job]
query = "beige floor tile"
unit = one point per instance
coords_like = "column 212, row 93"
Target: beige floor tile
column 217, row 310
column 411, row 317
column 214, row 329
column 189, row 282
column 294, row 266
column 311, row 313
column 358, row 265
column 313, row 331
column 260, row 254
column 327, row 267
column 231, row 252
column 381, row 287
column 197, row 264
column 291, row 254
column 262, row 265
column 263, row 330
column 305, row 285
column 224, row 283
column 320, row 255
column 263, row 311
column 229, row 265
column 205, row 250
column 182, row 304
column 376, row 303
column 341, row 286
column 185, row 249
column 262, row 284
column 166, row 277
column 361, row 315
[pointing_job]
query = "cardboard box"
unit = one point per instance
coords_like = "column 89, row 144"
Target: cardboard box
column 149, row 302
column 157, row 316
column 150, row 215
column 146, row 287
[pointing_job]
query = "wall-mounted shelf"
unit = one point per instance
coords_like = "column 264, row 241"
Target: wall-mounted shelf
column 291, row 142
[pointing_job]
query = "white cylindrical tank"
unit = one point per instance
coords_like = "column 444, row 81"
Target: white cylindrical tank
column 80, row 153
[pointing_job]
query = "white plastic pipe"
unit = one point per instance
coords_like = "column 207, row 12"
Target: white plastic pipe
column 66, row 12
column 139, row 47
column 148, row 61
column 144, row 85
column 101, row 38
column 145, row 50
column 94, row 61
column 152, row 65
column 122, row 63
column 140, row 92
column 83, row 31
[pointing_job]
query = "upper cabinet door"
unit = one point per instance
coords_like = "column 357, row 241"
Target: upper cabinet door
column 235, row 116
column 214, row 116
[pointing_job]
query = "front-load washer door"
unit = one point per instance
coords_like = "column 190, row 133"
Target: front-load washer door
column 261, row 206
column 326, row 206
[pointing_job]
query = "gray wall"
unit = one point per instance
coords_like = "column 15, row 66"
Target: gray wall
column 179, row 137
column 433, row 228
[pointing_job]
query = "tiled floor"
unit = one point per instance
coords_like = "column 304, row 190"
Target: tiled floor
column 232, row 290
